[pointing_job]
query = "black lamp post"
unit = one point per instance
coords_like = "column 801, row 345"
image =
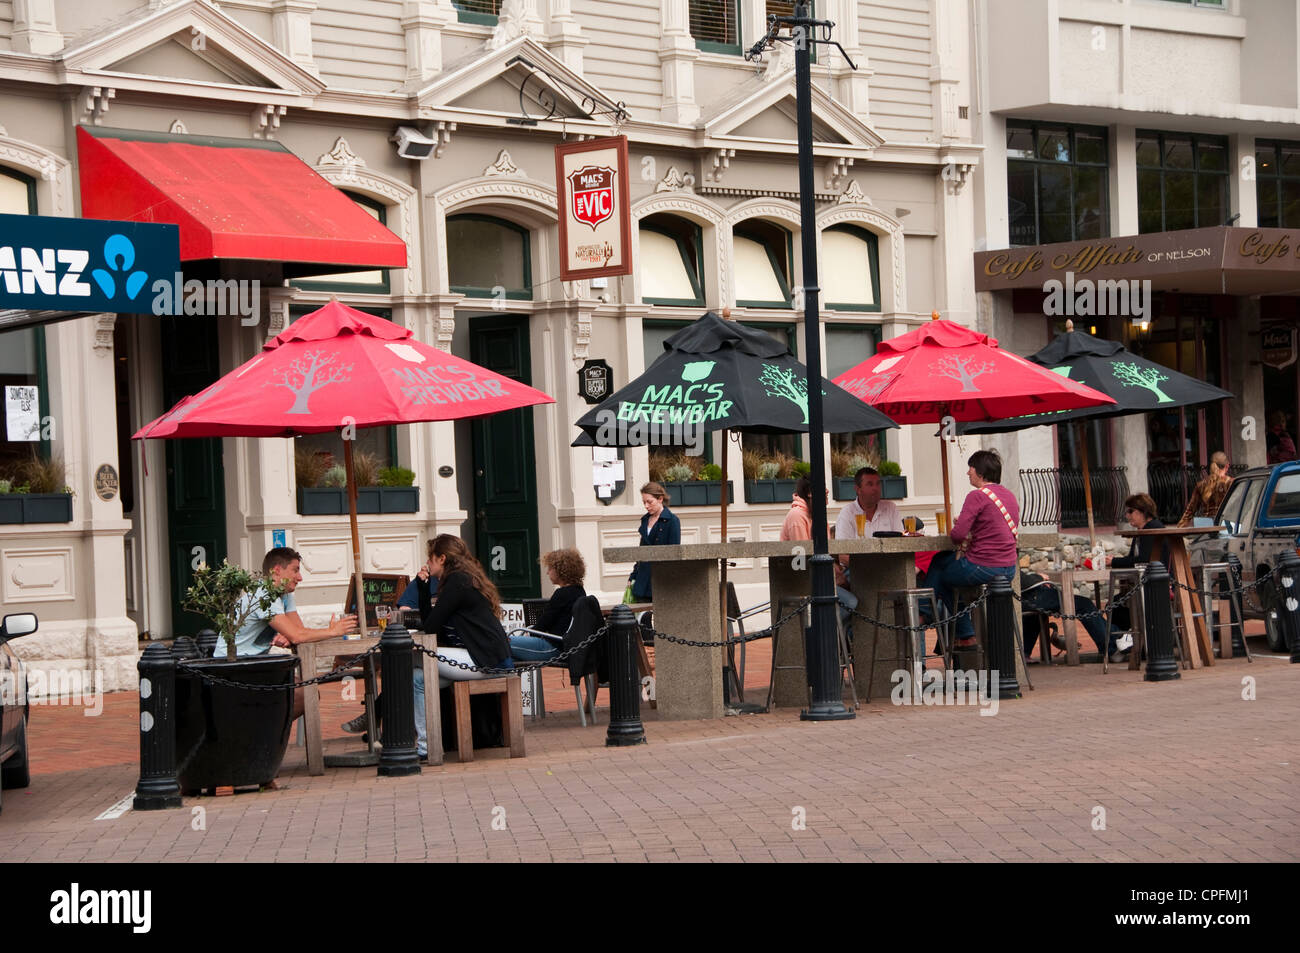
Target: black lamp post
column 821, row 650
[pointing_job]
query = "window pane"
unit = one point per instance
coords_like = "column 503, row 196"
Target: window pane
column 1290, row 159
column 1054, row 144
column 327, row 448
column 378, row 277
column 483, row 254
column 1266, row 191
column 1021, row 204
column 847, row 347
column 1149, row 214
column 1020, row 142
column 663, row 270
column 1090, row 147
column 846, row 269
column 1265, row 161
column 18, row 367
column 1212, row 200
column 478, row 6
column 13, row 195
column 1212, row 157
column 1089, row 203
column 1178, row 152
column 1148, row 151
column 1054, row 221
column 1286, row 497
column 756, row 279
column 653, row 337
column 1290, row 204
column 1179, row 206
column 714, row 21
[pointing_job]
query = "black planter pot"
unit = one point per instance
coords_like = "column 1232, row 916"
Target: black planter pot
column 698, row 493
column 769, row 491
column 333, row 500
column 228, row 736
column 893, row 487
column 36, row 508
column 844, row 488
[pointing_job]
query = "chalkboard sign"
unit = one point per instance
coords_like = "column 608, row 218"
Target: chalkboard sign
column 378, row 590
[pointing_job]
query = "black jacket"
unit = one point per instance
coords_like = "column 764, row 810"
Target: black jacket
column 464, row 607
column 1139, row 550
column 667, row 531
column 587, row 619
column 559, row 609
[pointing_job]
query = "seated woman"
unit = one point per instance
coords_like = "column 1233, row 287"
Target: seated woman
column 469, row 603
column 420, row 591
column 566, row 569
column 987, row 530
column 1140, row 511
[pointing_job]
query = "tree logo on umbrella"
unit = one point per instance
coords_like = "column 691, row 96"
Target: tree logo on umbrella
column 783, row 382
column 961, row 368
column 1135, row 375
column 308, row 374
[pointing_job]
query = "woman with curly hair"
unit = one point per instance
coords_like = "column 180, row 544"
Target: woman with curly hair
column 566, row 569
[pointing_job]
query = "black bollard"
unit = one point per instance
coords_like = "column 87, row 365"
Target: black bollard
column 1286, row 589
column 1000, row 611
column 184, row 649
column 625, row 726
column 157, row 788
column 1159, row 611
column 399, row 756
column 1238, row 625
column 207, row 641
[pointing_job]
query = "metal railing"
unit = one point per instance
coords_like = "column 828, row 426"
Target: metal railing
column 1054, row 496
column 1171, row 485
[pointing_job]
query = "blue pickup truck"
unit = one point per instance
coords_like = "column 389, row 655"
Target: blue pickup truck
column 1260, row 518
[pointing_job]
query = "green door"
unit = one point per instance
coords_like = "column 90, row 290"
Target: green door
column 196, row 497
column 505, row 484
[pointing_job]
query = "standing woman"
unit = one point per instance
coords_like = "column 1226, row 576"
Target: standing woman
column 1209, row 493
column 468, row 602
column 659, row 527
column 986, row 531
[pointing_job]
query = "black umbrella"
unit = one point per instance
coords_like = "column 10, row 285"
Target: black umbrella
column 714, row 375
column 1137, row 385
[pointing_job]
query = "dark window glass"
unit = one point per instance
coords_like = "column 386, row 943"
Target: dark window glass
column 1178, row 153
column 1290, row 159
column 1182, row 181
column 1290, row 217
column 1212, row 157
column 477, row 11
column 1266, row 197
column 1277, row 184
column 1212, row 198
column 715, row 25
column 1056, row 183
column 1180, row 204
column 1148, row 152
column 488, row 257
column 1149, row 218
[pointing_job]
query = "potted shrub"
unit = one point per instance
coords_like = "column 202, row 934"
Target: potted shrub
column 769, row 480
column 228, row 735
column 397, row 491
column 36, row 492
column 893, row 485
column 689, row 481
column 845, row 463
column 322, row 485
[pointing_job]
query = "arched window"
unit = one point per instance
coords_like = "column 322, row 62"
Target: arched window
column 761, row 253
column 671, row 264
column 22, row 355
column 366, row 282
column 488, row 257
column 849, row 269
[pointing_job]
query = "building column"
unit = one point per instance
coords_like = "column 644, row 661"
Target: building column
column 291, row 30
column 34, row 27
column 1123, row 182
column 677, row 56
column 854, row 85
column 423, row 22
column 564, row 35
column 1242, row 196
column 1246, row 380
column 949, row 69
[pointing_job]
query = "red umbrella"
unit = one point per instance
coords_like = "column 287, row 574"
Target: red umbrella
column 338, row 368
column 944, row 369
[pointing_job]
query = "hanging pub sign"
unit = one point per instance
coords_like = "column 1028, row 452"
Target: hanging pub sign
column 593, row 381
column 594, row 205
column 1278, row 346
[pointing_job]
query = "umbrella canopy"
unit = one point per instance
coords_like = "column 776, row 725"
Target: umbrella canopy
column 1135, row 384
column 720, row 375
column 335, row 367
column 945, row 369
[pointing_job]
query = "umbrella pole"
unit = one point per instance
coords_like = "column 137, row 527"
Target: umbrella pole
column 356, row 539
column 1087, row 481
column 727, row 672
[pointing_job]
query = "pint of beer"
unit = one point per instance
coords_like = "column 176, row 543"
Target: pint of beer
column 862, row 524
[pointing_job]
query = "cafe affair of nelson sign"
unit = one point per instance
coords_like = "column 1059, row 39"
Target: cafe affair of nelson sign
column 594, row 204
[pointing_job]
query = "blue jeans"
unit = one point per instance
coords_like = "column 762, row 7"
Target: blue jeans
column 446, row 675
column 532, row 648
column 947, row 572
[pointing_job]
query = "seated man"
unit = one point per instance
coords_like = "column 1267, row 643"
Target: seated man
column 1047, row 598
column 280, row 624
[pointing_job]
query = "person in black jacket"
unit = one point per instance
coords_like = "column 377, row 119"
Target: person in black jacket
column 469, row 604
column 1140, row 511
column 659, row 527
column 566, row 569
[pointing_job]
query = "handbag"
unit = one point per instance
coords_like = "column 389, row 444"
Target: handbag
column 627, row 596
column 965, row 544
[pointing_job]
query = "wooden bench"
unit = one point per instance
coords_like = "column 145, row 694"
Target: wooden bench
column 512, row 713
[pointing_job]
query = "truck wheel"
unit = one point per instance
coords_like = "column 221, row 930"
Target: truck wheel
column 15, row 772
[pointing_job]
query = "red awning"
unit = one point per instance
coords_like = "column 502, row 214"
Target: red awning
column 233, row 199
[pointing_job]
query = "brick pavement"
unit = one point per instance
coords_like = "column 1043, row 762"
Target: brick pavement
column 1185, row 771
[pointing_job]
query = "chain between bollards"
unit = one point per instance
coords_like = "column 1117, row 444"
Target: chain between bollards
column 1160, row 634
column 158, row 787
column 625, row 726
column 399, row 756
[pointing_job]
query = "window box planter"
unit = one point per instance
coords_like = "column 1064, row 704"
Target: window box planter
column 769, row 491
column 333, row 500
column 844, row 489
column 36, row 508
column 698, row 493
column 893, row 487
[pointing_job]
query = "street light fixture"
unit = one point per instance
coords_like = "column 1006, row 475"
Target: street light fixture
column 821, row 647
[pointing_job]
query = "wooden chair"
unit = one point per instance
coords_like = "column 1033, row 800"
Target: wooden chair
column 512, row 713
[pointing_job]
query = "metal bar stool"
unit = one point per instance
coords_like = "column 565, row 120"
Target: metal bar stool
column 967, row 595
column 1211, row 575
column 784, row 607
column 909, row 646
column 1118, row 582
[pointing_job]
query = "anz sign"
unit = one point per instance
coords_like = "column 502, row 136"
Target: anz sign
column 82, row 264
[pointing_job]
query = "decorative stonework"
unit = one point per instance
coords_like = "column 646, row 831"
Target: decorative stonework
column 177, row 128
column 504, row 165
column 779, row 62
column 686, row 202
column 880, row 223
column 517, row 18
column 837, row 171
column 94, row 104
column 335, row 168
column 442, row 133
column 955, row 175
column 581, row 334
column 853, row 193
column 277, row 309
column 719, row 163
column 104, row 324
column 341, row 154
column 264, row 121
column 446, row 330
column 676, row 181
column 535, row 197
column 791, row 195
column 53, row 195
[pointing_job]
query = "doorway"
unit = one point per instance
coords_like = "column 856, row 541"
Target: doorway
column 196, row 495
column 505, row 480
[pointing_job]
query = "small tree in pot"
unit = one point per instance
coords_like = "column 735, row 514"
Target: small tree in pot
column 229, row 596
